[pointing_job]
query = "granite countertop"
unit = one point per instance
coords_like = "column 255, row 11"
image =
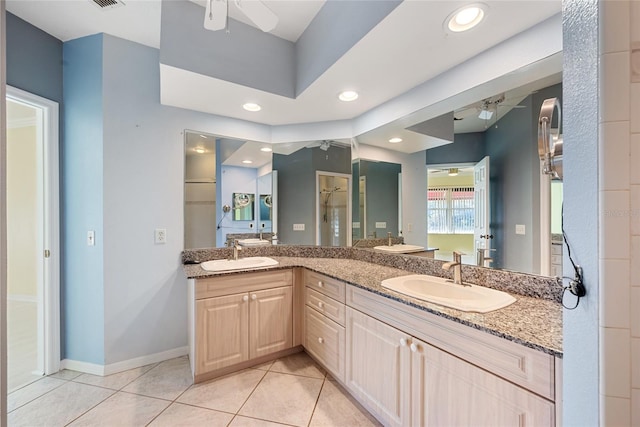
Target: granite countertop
column 533, row 322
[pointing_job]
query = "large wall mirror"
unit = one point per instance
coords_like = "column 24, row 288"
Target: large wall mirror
column 424, row 195
column 224, row 178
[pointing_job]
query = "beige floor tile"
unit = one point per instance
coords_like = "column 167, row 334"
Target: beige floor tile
column 239, row 421
column 165, row 381
column 66, row 374
column 298, row 364
column 224, row 394
column 123, row 409
column 60, row 406
column 184, row 415
column 34, row 390
column 337, row 408
column 283, row 398
column 114, row 381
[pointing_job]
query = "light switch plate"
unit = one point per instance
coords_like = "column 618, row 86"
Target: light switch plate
column 298, row 227
column 520, row 229
column 381, row 225
column 355, row 225
column 91, row 238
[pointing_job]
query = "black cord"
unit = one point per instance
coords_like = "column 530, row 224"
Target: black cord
column 576, row 285
column 224, row 215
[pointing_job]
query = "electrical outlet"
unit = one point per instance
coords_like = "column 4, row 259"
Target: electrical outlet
column 298, row 227
column 91, row 238
column 381, row 224
column 409, row 227
column 161, row 236
column 520, row 229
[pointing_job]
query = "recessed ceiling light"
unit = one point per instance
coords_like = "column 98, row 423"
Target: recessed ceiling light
column 250, row 106
column 266, row 149
column 199, row 150
column 348, row 95
column 247, row 162
column 395, row 140
column 465, row 18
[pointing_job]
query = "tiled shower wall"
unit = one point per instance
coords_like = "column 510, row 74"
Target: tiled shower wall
column 619, row 231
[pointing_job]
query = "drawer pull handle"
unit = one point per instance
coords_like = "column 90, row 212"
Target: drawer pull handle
column 254, row 296
column 320, row 340
column 320, row 284
column 245, row 298
column 404, row 342
column 414, row 347
column 320, row 305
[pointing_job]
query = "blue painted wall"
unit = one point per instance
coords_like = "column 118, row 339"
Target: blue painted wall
column 82, row 201
column 34, row 59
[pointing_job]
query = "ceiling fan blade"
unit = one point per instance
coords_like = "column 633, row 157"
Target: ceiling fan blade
column 258, row 13
column 215, row 17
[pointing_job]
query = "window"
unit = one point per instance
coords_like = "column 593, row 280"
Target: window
column 450, row 210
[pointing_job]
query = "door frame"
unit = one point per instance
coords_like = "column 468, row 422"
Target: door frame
column 349, row 225
column 50, row 295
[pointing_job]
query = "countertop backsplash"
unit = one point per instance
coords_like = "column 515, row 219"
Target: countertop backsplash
column 549, row 288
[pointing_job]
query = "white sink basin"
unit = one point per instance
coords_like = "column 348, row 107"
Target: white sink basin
column 218, row 265
column 444, row 292
column 253, row 242
column 400, row 248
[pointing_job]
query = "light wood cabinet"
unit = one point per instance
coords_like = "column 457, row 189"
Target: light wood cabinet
column 218, row 346
column 270, row 316
column 324, row 319
column 405, row 381
column 239, row 318
column 447, row 391
column 378, row 368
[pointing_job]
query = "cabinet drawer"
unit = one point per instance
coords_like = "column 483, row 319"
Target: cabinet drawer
column 242, row 282
column 331, row 308
column 324, row 340
column 325, row 285
column 521, row 365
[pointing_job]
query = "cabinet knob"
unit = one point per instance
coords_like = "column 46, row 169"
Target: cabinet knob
column 245, row 298
column 414, row 347
column 253, row 297
column 404, row 342
column 320, row 305
column 320, row 340
column 320, row 284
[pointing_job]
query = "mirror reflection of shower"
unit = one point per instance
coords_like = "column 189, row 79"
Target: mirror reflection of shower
column 333, row 209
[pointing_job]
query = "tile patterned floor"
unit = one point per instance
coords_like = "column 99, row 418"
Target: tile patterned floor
column 291, row 391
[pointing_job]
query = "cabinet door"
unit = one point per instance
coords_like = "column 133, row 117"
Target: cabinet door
column 378, row 367
column 447, row 391
column 222, row 331
column 324, row 339
column 271, row 318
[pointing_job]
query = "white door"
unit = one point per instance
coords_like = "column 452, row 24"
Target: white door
column 482, row 234
column 33, row 258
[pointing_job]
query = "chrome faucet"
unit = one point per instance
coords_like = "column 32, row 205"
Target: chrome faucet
column 457, row 268
column 389, row 239
column 482, row 259
column 236, row 249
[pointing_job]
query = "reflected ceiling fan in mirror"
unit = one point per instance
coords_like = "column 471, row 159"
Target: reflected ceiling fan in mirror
column 488, row 110
column 326, row 143
column 217, row 14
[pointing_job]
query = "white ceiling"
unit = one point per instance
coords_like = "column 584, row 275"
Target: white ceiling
column 406, row 49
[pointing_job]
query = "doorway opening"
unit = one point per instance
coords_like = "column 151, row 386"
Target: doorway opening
column 333, row 209
column 33, row 258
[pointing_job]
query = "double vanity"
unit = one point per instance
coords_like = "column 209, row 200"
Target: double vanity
column 374, row 322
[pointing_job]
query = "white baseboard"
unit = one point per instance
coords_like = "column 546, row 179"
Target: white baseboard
column 125, row 365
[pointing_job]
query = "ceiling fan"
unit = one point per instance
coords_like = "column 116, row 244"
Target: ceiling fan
column 325, row 144
column 485, row 109
column 217, row 14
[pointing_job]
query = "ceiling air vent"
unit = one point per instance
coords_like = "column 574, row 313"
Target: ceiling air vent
column 107, row 4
